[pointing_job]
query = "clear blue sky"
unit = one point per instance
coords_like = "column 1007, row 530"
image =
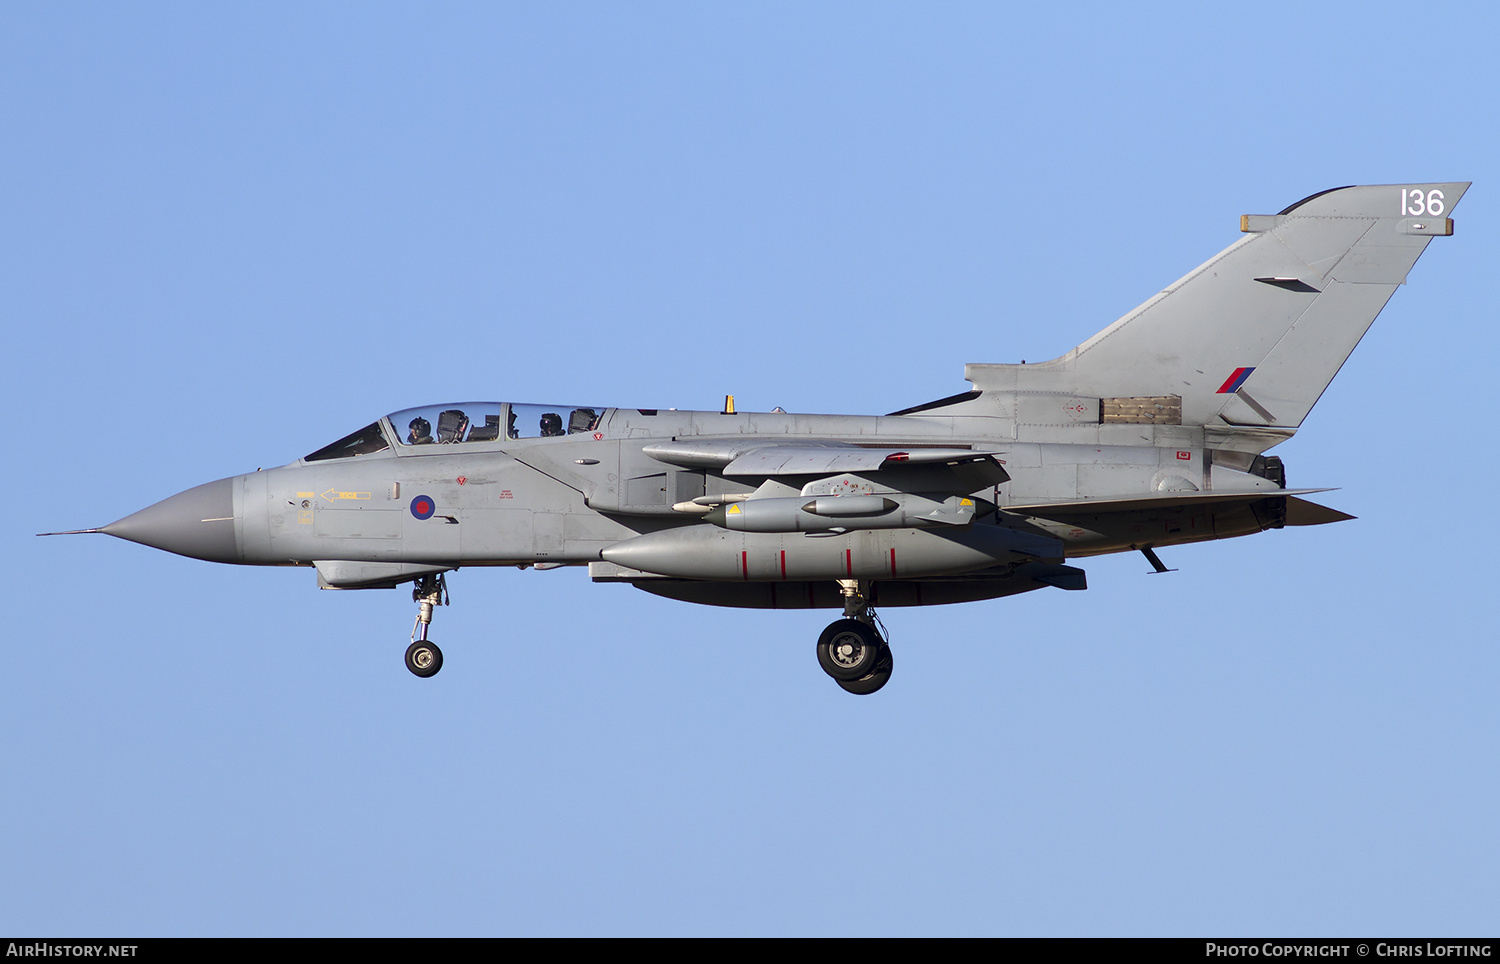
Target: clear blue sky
column 230, row 234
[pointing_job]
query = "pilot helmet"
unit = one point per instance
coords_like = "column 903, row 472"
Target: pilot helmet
column 420, row 427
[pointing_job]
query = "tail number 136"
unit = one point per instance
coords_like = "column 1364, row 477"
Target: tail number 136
column 1414, row 202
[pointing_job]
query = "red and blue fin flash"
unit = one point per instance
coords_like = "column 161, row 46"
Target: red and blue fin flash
column 1233, row 382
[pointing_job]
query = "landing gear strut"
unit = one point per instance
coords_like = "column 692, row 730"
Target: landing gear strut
column 852, row 650
column 423, row 657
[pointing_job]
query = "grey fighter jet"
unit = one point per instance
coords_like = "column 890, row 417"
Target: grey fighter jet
column 1152, row 433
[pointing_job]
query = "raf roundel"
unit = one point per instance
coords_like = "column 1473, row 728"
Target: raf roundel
column 423, row 507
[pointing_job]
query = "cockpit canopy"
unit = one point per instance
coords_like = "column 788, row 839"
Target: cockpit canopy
column 461, row 423
column 482, row 421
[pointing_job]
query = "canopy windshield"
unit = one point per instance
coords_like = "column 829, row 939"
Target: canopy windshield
column 367, row 440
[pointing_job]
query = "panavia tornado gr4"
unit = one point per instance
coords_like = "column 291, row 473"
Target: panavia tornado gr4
column 1150, row 434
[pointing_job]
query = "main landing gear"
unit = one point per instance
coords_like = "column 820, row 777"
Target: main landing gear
column 852, row 650
column 423, row 657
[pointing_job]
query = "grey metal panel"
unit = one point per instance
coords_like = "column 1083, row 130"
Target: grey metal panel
column 1293, row 375
column 1020, row 455
column 358, row 523
column 1386, row 263
column 434, row 540
column 1099, row 454
column 647, row 490
column 1319, row 243
column 491, row 534
column 1055, row 408
column 1097, row 480
column 1222, row 478
column 1043, row 483
column 254, row 515
column 686, row 486
column 578, row 461
column 1127, row 435
column 548, row 528
column 346, row 574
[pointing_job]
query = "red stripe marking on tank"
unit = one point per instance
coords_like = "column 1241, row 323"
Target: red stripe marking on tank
column 745, row 564
column 783, row 563
column 893, row 560
column 849, row 561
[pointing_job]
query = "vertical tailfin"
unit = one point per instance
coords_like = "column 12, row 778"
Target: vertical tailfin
column 1254, row 336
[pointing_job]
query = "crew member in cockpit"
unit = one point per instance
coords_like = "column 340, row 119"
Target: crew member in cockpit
column 420, row 432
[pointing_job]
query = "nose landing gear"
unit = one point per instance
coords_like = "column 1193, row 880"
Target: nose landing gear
column 423, row 657
column 852, row 650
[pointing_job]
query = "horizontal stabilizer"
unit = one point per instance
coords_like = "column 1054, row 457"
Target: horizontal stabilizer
column 1156, row 500
column 1300, row 512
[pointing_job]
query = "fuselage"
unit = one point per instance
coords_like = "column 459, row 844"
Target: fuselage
column 403, row 493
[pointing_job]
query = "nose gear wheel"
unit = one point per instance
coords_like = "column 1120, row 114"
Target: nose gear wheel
column 423, row 658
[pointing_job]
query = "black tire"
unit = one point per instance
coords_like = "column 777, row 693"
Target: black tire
column 423, row 658
column 869, row 684
column 848, row 650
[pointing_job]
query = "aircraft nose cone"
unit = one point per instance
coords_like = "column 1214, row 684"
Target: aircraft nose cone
column 198, row 523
